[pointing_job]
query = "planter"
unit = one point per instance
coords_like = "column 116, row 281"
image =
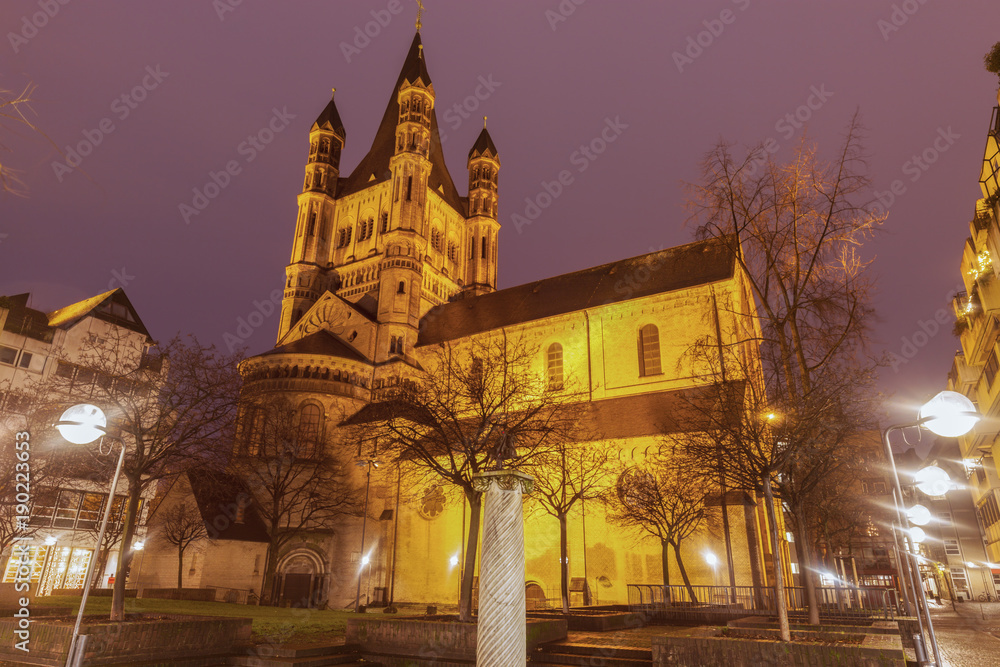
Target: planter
column 710, row 647
column 141, row 638
column 442, row 641
column 594, row 620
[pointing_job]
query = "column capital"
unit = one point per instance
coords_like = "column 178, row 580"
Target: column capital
column 507, row 480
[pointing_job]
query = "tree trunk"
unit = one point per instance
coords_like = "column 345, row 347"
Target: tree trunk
column 779, row 575
column 270, row 568
column 180, row 567
column 750, row 522
column 471, row 545
column 563, row 564
column 806, row 565
column 665, row 562
column 125, row 551
column 684, row 574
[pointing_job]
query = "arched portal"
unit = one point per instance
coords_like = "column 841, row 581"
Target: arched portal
column 301, row 580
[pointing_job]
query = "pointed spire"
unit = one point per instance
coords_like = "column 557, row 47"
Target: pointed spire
column 414, row 67
column 329, row 119
column 484, row 145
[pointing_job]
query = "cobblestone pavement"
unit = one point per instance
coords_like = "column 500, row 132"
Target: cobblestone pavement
column 969, row 634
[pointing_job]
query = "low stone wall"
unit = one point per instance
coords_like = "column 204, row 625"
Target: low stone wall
column 903, row 626
column 419, row 641
column 129, row 642
column 94, row 592
column 711, row 648
column 594, row 621
column 199, row 594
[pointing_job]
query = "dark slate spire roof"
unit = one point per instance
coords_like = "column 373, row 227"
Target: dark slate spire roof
column 685, row 266
column 329, row 119
column 415, row 67
column 376, row 162
column 483, row 146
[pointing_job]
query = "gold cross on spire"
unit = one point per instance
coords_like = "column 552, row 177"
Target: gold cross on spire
column 420, row 11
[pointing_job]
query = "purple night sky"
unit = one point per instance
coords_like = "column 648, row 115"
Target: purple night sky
column 211, row 74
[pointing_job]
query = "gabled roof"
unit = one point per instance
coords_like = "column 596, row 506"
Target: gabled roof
column 374, row 167
column 322, row 342
column 677, row 268
column 113, row 307
column 219, row 494
column 329, row 119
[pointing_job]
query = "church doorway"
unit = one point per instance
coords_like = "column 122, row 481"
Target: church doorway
column 301, row 580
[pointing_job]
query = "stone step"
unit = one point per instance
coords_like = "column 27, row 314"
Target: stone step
column 611, row 651
column 595, row 656
column 266, row 651
column 303, row 661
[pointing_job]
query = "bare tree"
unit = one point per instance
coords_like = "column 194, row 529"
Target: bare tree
column 180, row 525
column 297, row 481
column 795, row 230
column 172, row 408
column 476, row 405
column 664, row 500
column 13, row 106
column 570, row 472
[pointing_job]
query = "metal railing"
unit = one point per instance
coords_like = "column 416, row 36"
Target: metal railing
column 834, row 601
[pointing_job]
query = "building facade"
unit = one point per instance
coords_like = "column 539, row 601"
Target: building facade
column 975, row 368
column 390, row 262
column 59, row 359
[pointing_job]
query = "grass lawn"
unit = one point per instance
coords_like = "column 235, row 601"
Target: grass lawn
column 275, row 625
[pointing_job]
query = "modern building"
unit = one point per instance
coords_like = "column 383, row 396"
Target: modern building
column 391, row 261
column 975, row 368
column 60, row 359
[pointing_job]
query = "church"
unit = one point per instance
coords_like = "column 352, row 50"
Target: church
column 392, row 259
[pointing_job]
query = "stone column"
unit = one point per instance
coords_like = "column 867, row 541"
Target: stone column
column 500, row 637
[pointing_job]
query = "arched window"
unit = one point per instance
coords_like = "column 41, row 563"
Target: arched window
column 554, row 367
column 649, row 350
column 402, row 287
column 310, row 429
column 253, row 429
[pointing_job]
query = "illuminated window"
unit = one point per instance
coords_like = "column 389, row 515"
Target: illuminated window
column 649, row 351
column 310, row 427
column 554, row 366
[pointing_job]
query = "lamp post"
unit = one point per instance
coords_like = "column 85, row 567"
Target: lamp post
column 363, row 559
column 82, row 425
column 949, row 414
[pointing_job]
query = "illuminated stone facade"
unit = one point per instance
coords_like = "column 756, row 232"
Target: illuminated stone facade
column 390, row 261
column 975, row 369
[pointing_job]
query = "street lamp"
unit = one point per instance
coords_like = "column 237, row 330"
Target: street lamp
column 82, row 425
column 948, row 414
column 369, row 464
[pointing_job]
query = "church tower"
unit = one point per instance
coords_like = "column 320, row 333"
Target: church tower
column 484, row 167
column 306, row 275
